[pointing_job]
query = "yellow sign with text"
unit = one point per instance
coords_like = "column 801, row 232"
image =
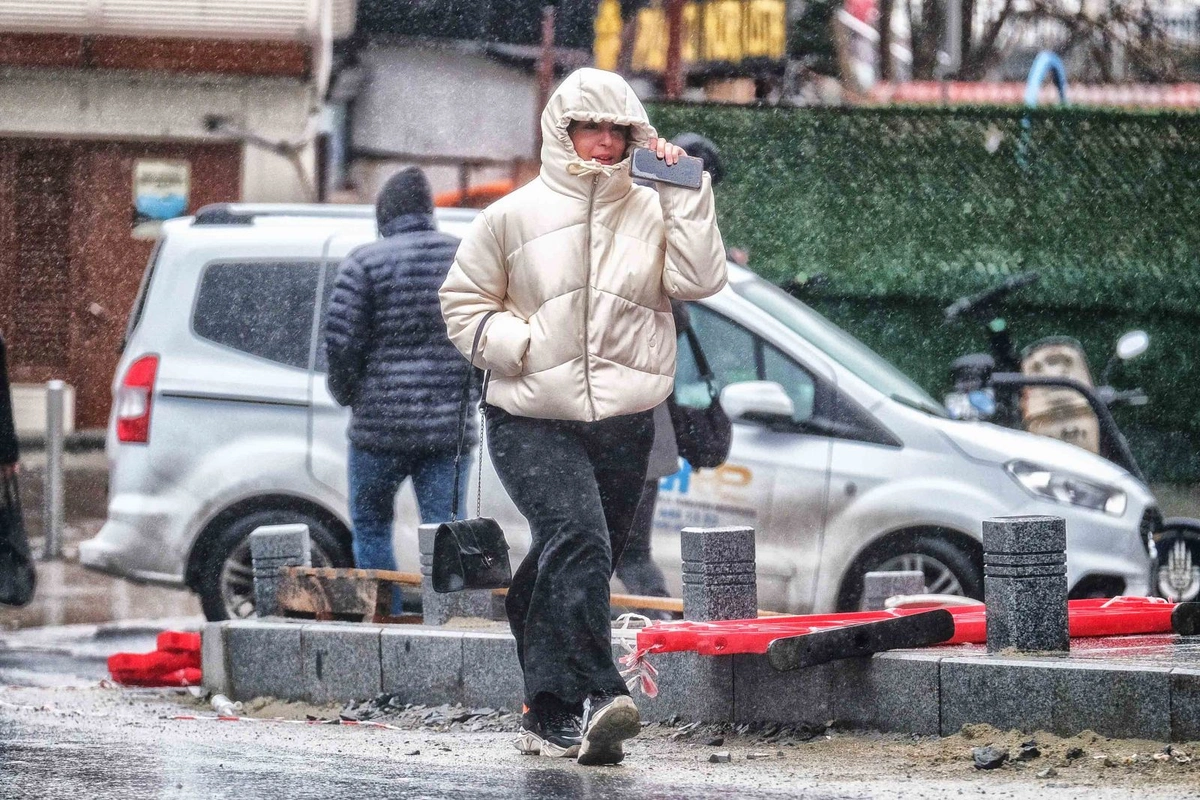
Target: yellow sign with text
column 718, row 31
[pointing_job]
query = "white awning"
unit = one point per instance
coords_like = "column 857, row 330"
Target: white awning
column 278, row 20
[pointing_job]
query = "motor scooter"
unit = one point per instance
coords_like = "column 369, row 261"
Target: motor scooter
column 1047, row 389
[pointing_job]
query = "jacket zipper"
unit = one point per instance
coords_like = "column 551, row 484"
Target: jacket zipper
column 587, row 304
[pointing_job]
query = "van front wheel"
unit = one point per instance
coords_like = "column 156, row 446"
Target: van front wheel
column 226, row 579
column 949, row 568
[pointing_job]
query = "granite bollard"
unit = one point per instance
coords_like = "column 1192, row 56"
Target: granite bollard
column 272, row 547
column 719, row 580
column 879, row 586
column 438, row 608
column 1025, row 583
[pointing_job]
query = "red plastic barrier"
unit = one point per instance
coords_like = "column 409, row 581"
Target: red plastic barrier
column 1100, row 617
column 176, row 662
column 189, row 676
column 179, row 641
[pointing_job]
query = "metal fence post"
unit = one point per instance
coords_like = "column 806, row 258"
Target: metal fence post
column 52, row 487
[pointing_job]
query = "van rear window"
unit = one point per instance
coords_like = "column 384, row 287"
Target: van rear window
column 261, row 308
column 139, row 304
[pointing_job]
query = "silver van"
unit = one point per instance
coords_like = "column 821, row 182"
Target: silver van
column 222, row 422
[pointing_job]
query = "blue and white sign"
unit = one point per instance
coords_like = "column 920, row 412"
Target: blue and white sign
column 160, row 192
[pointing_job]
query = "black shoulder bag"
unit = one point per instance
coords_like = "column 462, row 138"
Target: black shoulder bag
column 703, row 435
column 470, row 553
column 17, row 575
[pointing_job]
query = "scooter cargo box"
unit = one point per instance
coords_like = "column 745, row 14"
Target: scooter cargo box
column 1059, row 357
column 1078, row 426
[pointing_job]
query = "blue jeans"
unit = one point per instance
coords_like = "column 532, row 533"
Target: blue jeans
column 375, row 477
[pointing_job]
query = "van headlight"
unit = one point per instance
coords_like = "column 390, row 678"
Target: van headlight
column 1063, row 487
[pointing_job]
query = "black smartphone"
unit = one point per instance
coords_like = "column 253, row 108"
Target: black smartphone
column 687, row 172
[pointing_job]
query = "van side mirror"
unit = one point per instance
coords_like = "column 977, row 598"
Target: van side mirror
column 1132, row 344
column 757, row 401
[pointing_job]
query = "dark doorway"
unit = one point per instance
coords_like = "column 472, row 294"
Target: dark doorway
column 40, row 274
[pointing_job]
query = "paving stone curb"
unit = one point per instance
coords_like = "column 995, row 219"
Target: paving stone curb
column 927, row 692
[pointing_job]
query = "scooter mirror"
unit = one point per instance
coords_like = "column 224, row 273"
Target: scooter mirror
column 1132, row 344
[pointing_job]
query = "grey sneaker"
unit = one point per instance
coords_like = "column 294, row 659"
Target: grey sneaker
column 607, row 721
column 556, row 736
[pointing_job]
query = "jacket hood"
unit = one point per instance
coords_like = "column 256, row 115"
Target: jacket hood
column 406, row 192
column 598, row 96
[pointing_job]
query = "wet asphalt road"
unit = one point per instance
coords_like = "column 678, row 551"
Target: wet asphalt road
column 40, row 762
column 51, row 755
column 64, row 734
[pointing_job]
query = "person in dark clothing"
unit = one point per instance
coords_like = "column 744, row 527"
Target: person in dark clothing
column 18, row 578
column 390, row 360
column 636, row 568
column 9, row 454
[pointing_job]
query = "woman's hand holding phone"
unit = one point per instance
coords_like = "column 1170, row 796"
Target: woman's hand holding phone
column 668, row 152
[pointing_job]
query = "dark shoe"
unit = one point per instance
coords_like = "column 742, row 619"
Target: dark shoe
column 554, row 734
column 607, row 721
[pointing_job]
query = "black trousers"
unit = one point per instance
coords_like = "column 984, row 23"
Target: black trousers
column 636, row 568
column 578, row 484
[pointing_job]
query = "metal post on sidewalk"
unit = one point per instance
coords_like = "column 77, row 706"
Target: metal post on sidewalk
column 52, row 486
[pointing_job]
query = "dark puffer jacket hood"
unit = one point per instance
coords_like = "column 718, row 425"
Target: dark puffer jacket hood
column 406, row 192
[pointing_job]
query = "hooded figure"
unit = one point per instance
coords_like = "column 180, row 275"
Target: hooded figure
column 390, row 361
column 580, row 264
column 573, row 273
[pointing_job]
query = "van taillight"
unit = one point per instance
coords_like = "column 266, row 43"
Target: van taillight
column 134, row 400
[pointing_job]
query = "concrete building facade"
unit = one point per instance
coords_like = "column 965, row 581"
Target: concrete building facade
column 115, row 115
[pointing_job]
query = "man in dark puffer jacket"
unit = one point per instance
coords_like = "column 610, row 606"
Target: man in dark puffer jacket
column 391, row 361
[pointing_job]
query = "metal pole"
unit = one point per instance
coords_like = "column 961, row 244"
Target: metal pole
column 545, row 75
column 52, row 485
column 674, row 76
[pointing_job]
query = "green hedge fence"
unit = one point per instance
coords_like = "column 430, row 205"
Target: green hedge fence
column 906, row 209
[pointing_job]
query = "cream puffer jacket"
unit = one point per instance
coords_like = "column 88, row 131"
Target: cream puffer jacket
column 579, row 264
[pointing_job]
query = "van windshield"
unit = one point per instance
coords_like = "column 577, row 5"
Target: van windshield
column 837, row 344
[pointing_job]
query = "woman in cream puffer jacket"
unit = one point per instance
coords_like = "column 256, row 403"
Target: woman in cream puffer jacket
column 580, row 264
column 576, row 270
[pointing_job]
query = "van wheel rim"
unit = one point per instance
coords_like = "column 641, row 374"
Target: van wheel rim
column 237, row 579
column 939, row 578
column 1179, row 575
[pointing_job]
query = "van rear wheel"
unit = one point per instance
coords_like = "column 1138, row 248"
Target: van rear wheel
column 948, row 568
column 226, row 580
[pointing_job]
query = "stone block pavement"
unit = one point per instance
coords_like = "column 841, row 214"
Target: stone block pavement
column 1144, row 687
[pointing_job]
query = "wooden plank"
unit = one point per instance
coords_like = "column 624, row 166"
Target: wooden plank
column 318, row 595
column 390, row 576
column 671, row 604
column 357, row 595
column 338, row 590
